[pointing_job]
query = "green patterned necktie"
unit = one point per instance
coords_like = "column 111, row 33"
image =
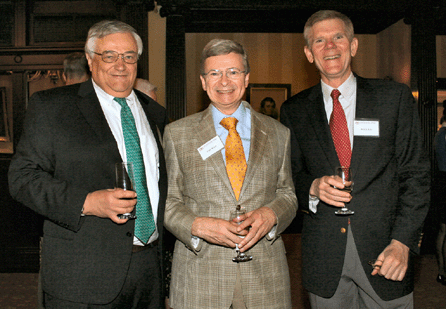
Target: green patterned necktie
column 144, row 224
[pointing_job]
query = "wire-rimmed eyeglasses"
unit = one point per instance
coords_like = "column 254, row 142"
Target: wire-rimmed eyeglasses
column 110, row 56
column 233, row 73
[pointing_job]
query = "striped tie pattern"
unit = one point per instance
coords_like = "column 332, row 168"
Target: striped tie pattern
column 145, row 223
column 235, row 156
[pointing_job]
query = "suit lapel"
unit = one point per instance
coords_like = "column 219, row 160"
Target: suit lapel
column 205, row 131
column 91, row 110
column 259, row 137
column 365, row 105
column 318, row 120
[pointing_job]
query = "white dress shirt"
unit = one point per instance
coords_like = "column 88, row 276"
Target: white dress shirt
column 348, row 103
column 149, row 148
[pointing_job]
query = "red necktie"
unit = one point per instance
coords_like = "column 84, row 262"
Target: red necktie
column 339, row 131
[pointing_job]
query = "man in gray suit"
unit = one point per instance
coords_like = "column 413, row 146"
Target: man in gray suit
column 64, row 170
column 201, row 195
column 383, row 146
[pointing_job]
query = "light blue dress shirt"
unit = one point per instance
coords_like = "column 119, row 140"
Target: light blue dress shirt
column 243, row 115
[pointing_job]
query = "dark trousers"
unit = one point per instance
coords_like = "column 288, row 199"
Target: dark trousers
column 142, row 287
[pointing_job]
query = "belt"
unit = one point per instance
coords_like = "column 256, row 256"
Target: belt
column 136, row 248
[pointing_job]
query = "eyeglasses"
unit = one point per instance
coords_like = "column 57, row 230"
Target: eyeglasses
column 110, row 56
column 230, row 73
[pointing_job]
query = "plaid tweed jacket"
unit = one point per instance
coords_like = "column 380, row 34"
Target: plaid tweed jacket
column 205, row 278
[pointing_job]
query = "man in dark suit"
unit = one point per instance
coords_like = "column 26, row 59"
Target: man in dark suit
column 382, row 143
column 64, row 170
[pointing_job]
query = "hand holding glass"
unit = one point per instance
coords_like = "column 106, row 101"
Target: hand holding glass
column 345, row 174
column 124, row 180
column 236, row 214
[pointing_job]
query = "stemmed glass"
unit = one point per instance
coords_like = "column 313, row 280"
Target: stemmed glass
column 125, row 180
column 345, row 174
column 235, row 217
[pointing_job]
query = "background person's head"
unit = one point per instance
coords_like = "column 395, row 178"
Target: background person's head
column 75, row 68
column 146, row 87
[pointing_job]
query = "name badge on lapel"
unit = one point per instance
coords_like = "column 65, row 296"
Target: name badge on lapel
column 366, row 127
column 210, row 147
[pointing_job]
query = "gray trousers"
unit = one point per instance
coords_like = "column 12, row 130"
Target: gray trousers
column 354, row 290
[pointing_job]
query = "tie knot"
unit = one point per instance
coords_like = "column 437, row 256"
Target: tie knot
column 335, row 94
column 121, row 101
column 229, row 123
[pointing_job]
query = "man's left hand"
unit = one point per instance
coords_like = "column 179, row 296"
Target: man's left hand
column 392, row 263
column 260, row 222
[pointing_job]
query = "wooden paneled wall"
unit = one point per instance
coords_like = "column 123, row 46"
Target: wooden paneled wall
column 274, row 58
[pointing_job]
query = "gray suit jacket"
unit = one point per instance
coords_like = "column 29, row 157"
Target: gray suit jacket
column 66, row 151
column 197, row 187
column 391, row 176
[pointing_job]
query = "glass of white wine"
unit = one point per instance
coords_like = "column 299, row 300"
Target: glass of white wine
column 235, row 216
column 345, row 174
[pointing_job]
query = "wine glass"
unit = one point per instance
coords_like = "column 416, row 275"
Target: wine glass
column 345, row 174
column 235, row 217
column 124, row 180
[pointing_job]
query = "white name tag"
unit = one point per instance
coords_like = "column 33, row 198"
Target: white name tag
column 210, row 147
column 366, row 127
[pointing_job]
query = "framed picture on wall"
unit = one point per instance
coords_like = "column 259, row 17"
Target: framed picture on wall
column 5, row 123
column 441, row 97
column 268, row 98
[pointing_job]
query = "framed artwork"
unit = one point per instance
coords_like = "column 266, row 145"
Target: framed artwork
column 5, row 123
column 260, row 95
column 441, row 96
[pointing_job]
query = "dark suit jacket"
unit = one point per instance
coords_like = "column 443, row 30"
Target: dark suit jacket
column 66, row 151
column 391, row 177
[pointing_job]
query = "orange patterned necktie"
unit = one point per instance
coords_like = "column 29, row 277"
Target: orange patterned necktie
column 339, row 131
column 235, row 156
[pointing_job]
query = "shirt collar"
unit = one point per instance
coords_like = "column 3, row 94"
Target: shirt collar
column 242, row 114
column 347, row 89
column 105, row 97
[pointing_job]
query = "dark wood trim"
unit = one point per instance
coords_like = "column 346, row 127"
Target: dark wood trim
column 423, row 81
column 175, row 67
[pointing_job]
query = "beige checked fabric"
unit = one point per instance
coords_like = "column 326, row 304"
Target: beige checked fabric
column 339, row 131
column 235, row 156
column 200, row 187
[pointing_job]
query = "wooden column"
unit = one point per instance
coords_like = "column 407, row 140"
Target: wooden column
column 135, row 13
column 424, row 74
column 175, row 63
column 423, row 80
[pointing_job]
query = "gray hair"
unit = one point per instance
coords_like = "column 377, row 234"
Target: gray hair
column 218, row 47
column 324, row 15
column 75, row 65
column 106, row 27
column 144, row 85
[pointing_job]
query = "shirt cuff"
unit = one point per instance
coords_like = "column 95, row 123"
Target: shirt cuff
column 312, row 203
column 273, row 232
column 196, row 243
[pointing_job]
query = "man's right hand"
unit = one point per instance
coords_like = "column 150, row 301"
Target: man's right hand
column 110, row 203
column 217, row 231
column 323, row 188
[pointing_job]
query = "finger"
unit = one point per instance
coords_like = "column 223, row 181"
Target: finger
column 248, row 238
column 401, row 275
column 117, row 220
column 245, row 224
column 251, row 242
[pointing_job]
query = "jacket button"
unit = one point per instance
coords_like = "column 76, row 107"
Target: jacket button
column 129, row 234
column 343, row 230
